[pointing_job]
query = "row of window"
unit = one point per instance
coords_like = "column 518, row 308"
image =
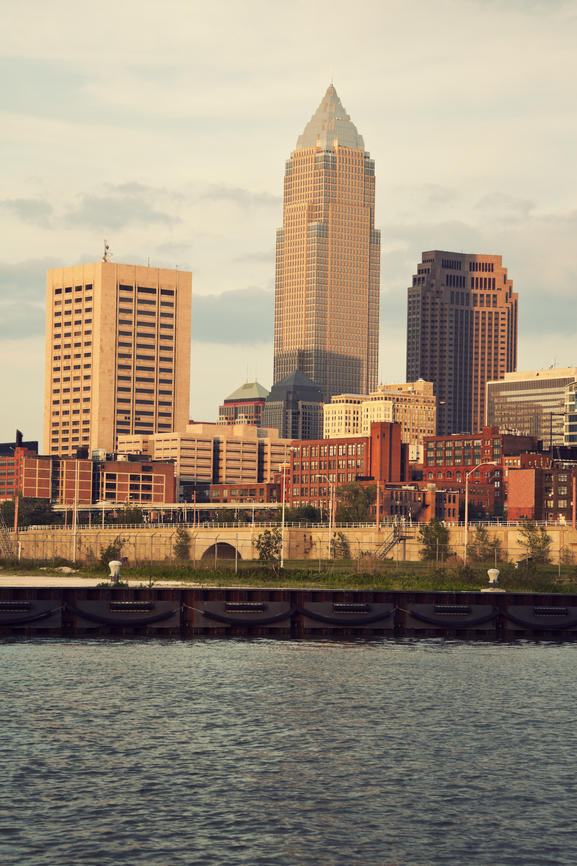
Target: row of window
column 67, row 291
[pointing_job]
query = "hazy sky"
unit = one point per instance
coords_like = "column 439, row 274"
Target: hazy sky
column 164, row 126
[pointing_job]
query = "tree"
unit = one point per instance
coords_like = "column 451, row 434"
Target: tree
column 269, row 546
column 307, row 513
column 112, row 552
column 536, row 541
column 355, row 502
column 32, row 511
column 130, row 514
column 182, row 543
column 434, row 538
column 340, row 547
column 483, row 548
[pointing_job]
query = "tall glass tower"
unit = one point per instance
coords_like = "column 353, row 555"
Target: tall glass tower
column 328, row 258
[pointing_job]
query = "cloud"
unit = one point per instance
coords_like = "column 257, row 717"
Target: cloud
column 23, row 297
column 257, row 258
column 34, row 211
column 437, row 195
column 241, row 197
column 240, row 316
column 122, row 205
column 499, row 201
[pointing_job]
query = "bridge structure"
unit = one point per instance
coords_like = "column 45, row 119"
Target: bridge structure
column 211, row 543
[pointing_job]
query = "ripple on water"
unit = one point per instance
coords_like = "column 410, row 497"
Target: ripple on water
column 294, row 752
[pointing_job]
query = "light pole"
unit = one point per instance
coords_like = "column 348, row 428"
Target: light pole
column 284, row 466
column 253, row 502
column 330, row 521
column 470, row 472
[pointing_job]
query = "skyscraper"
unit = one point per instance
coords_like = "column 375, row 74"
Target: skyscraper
column 328, row 258
column 461, row 333
column 117, row 354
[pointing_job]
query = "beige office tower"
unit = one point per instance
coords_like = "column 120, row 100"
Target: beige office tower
column 328, row 259
column 117, row 354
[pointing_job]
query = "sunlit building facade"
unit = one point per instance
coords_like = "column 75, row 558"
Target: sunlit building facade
column 328, row 258
column 461, row 333
column 117, row 354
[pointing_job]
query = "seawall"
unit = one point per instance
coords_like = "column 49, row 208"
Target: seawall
column 217, row 612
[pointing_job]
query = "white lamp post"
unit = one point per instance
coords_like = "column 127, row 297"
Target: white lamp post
column 284, row 466
column 331, row 519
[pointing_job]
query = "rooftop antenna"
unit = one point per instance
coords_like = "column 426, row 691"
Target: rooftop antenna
column 106, row 254
column 331, row 71
column 148, row 261
column 255, row 374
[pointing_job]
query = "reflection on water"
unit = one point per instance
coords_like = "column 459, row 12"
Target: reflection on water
column 398, row 753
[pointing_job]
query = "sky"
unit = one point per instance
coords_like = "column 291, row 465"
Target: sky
column 165, row 126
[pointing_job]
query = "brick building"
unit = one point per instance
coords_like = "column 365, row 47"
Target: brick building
column 63, row 480
column 379, row 457
column 132, row 483
column 449, row 459
column 541, row 494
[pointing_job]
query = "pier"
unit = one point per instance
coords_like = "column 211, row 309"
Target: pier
column 78, row 611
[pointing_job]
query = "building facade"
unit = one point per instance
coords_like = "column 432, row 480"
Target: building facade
column 295, row 408
column 244, row 406
column 117, row 354
column 215, row 453
column 318, row 467
column 570, row 415
column 132, row 483
column 486, row 458
column 531, row 403
column 542, row 494
column 412, row 404
column 461, row 333
column 328, row 258
column 343, row 416
column 66, row 480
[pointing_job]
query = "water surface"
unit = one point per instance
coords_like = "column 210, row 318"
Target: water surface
column 255, row 751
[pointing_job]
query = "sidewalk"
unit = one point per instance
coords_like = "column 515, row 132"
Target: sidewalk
column 73, row 580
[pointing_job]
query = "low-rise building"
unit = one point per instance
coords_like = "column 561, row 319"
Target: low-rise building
column 541, row 494
column 130, row 482
column 215, row 453
column 450, row 459
column 317, row 467
column 252, row 496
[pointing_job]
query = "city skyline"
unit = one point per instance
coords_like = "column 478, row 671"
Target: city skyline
column 169, row 141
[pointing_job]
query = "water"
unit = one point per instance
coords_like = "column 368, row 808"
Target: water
column 366, row 753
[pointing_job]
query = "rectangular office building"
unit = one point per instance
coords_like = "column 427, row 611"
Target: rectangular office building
column 117, row 354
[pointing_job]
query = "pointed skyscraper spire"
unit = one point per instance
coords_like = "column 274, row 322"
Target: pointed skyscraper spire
column 330, row 125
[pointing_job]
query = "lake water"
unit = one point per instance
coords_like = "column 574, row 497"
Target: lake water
column 254, row 751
